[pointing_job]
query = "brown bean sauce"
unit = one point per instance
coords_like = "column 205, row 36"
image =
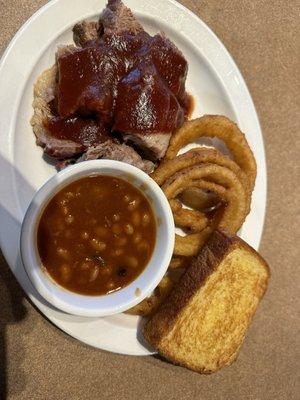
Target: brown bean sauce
column 96, row 235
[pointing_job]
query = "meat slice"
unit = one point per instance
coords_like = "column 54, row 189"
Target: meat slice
column 145, row 104
column 111, row 150
column 152, row 145
column 116, row 19
column 58, row 148
column 84, row 32
column 170, row 63
column 43, row 94
column 82, row 87
column 65, row 50
column 146, row 111
column 118, row 78
column 61, row 138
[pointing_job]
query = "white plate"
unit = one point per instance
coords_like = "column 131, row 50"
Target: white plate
column 213, row 79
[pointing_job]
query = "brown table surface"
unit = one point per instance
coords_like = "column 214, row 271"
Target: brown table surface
column 38, row 361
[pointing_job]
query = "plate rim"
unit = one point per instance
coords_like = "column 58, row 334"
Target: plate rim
column 263, row 171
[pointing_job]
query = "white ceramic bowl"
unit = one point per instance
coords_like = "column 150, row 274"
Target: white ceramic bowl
column 127, row 297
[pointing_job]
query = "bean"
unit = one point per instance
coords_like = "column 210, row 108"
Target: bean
column 132, row 262
column 70, row 195
column 107, row 270
column 116, row 217
column 136, row 218
column 85, row 265
column 143, row 246
column 101, row 231
column 70, row 219
column 116, row 228
column 129, row 229
column 137, row 238
column 85, row 235
column 110, row 285
column 107, row 222
column 65, row 210
column 133, row 204
column 65, row 272
column 127, row 198
column 117, row 252
column 94, row 274
column 145, row 219
column 98, row 245
column 121, row 241
column 63, row 253
column 78, row 192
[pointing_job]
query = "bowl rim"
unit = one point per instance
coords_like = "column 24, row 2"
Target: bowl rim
column 125, row 298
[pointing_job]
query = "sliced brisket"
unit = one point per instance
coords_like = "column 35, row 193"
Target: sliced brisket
column 84, row 32
column 153, row 145
column 119, row 152
column 118, row 80
column 117, row 19
column 82, row 87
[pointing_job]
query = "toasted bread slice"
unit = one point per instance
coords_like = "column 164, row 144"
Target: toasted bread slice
column 203, row 322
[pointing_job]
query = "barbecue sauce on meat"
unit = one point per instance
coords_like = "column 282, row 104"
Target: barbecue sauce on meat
column 87, row 132
column 146, row 104
column 127, row 83
column 187, row 102
column 85, row 83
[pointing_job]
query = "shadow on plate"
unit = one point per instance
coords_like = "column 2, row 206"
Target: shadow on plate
column 140, row 337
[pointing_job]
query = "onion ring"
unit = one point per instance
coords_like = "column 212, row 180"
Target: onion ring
column 175, row 205
column 234, row 213
column 195, row 220
column 180, row 262
column 190, row 245
column 197, row 156
column 232, row 192
column 222, row 128
column 151, row 303
column 204, row 200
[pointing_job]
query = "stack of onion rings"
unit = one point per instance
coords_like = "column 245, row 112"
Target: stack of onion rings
column 222, row 128
column 204, row 169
